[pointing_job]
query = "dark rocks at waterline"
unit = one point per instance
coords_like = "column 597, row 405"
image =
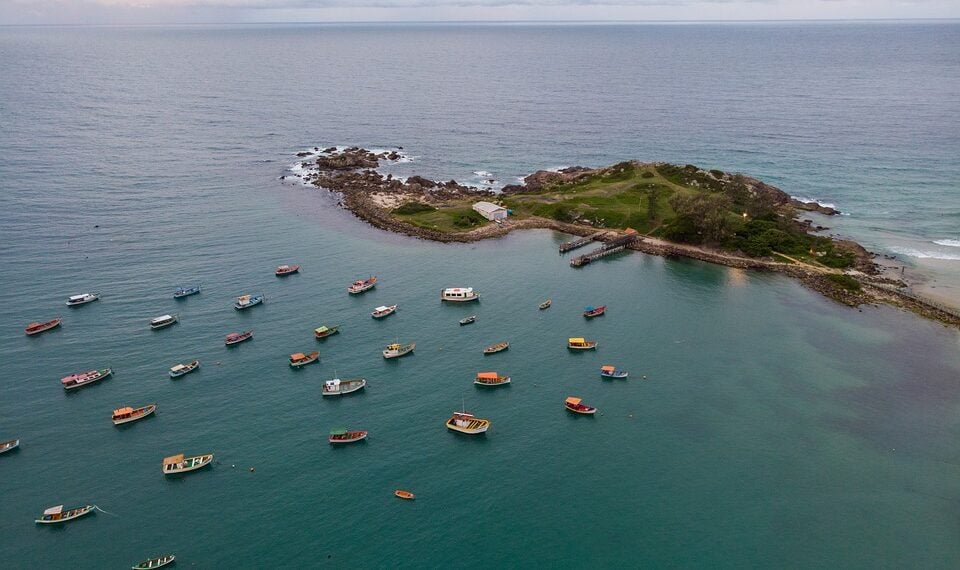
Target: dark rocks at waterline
column 814, row 207
column 420, row 181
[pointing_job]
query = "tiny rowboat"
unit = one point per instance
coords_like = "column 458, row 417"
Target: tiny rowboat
column 179, row 464
column 338, row 387
column 127, row 414
column 608, row 371
column 495, row 348
column 342, row 435
column 490, row 379
column 581, row 344
column 237, row 338
column 298, row 359
column 546, row 304
column 459, row 294
column 84, row 378
column 82, row 299
column 468, row 320
column 181, row 292
column 325, row 331
column 6, row 446
column 573, row 404
column 179, row 370
column 382, row 311
column 247, row 301
column 57, row 515
column 361, row 285
column 405, row 495
column 164, row 321
column 37, row 328
column 285, row 270
column 591, row 311
column 396, row 350
column 152, row 563
column 465, row 422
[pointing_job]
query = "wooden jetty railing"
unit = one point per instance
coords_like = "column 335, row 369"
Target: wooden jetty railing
column 616, row 245
column 579, row 242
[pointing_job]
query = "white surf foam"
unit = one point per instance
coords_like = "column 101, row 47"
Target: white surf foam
column 948, row 242
column 919, row 254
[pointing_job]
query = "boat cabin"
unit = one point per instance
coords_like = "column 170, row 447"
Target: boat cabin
column 459, row 294
column 607, row 369
column 173, row 462
column 178, row 368
column 53, row 513
column 577, row 341
column 163, row 319
column 122, row 413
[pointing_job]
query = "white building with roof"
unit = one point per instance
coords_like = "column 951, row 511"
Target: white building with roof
column 490, row 211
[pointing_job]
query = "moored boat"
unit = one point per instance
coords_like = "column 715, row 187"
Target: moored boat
column 608, row 371
column 158, row 562
column 57, row 514
column 164, row 321
column 574, row 405
column 397, row 350
column 468, row 320
column 338, row 387
column 591, row 311
column 546, row 304
column 82, row 299
column 495, row 348
column 361, row 285
column 298, row 359
column 6, row 446
column 284, row 270
column 578, row 343
column 237, row 338
column 179, row 464
column 459, row 294
column 325, row 331
column 178, row 370
column 37, row 328
column 465, row 422
column 343, row 435
column 405, row 495
column 382, row 311
column 84, row 378
column 490, row 379
column 182, row 291
column 127, row 414
column 247, row 301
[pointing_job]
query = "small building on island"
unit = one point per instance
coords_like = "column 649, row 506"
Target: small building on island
column 490, row 211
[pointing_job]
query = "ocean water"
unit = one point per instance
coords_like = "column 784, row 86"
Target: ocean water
column 773, row 428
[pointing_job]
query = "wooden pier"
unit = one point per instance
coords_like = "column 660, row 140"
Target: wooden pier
column 579, row 242
column 613, row 246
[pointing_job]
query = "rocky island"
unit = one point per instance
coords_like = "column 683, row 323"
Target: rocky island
column 676, row 210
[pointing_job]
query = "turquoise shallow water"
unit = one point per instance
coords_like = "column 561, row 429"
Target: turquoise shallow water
column 775, row 428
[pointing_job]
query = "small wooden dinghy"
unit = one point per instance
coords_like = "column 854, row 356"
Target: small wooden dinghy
column 57, row 514
column 237, row 338
column 247, row 301
column 382, row 311
column 164, row 321
column 6, row 446
column 84, row 378
column 590, row 312
column 152, row 563
column 468, row 320
column 338, row 387
column 181, row 291
column 465, row 422
column 573, row 404
column 343, row 435
column 127, row 414
column 495, row 348
column 396, row 350
column 37, row 328
column 176, row 464
column 284, row 270
column 82, row 299
column 546, row 304
column 579, row 343
column 608, row 371
column 361, row 285
column 490, row 379
column 325, row 331
column 178, row 370
column 298, row 359
column 405, row 495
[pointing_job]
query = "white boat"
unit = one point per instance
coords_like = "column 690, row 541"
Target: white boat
column 382, row 311
column 82, row 299
column 127, row 414
column 459, row 294
column 84, row 378
column 397, row 350
column 178, row 370
column 179, row 464
column 56, row 515
column 164, row 321
column 338, row 387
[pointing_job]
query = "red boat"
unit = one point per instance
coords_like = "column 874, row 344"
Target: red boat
column 287, row 270
column 361, row 285
column 37, row 328
column 346, row 436
column 237, row 338
column 591, row 312
column 573, row 404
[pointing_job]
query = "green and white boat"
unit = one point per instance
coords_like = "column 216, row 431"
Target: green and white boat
column 158, row 562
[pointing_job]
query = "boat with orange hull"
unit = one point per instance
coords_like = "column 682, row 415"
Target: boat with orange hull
column 574, row 405
column 578, row 343
column 490, row 379
column 237, row 338
column 298, row 359
column 590, row 312
column 405, row 495
column 127, row 414
column 284, row 270
column 343, row 435
column 37, row 328
column 362, row 285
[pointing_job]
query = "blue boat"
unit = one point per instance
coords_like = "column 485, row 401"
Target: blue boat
column 186, row 291
column 247, row 301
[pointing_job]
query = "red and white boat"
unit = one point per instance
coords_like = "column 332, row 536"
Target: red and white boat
column 237, row 338
column 361, row 285
column 382, row 311
column 37, row 328
column 127, row 414
column 590, row 312
column 346, row 436
column 287, row 270
column 84, row 378
column 574, row 405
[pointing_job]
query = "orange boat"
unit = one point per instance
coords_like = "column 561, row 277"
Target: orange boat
column 406, row 495
column 491, row 379
column 287, row 270
column 298, row 359
column 37, row 328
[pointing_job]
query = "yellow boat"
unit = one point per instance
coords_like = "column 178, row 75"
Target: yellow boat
column 465, row 422
column 578, row 343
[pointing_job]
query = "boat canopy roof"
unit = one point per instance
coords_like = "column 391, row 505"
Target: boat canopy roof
column 77, row 298
column 242, row 298
column 394, row 346
column 297, row 356
column 173, row 459
column 334, row 382
column 163, row 318
column 54, row 510
column 283, row 267
column 178, row 368
column 381, row 308
column 573, row 401
column 123, row 411
column 607, row 368
column 458, row 290
column 576, row 340
column 321, row 329
column 338, row 431
column 487, row 375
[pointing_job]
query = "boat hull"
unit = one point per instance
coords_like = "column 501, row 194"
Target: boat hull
column 589, row 346
column 405, row 495
column 190, row 368
column 245, row 306
column 204, row 460
column 587, row 410
column 346, row 387
column 147, row 411
column 289, row 271
column 467, row 430
column 9, row 445
column 329, row 332
column 302, row 363
column 83, row 301
column 105, row 373
column 504, row 382
column 335, row 441
column 37, row 328
column 495, row 349
column 242, row 338
column 152, row 563
column 71, row 514
column 615, row 375
column 165, row 324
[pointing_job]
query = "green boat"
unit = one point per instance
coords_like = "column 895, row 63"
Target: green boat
column 325, row 331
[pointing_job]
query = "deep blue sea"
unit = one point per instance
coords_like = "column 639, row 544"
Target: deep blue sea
column 773, row 429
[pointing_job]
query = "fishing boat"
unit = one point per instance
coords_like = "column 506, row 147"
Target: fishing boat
column 37, row 328
column 465, row 422
column 84, row 378
column 591, row 311
column 573, row 404
column 608, row 371
column 495, row 348
column 490, row 379
column 361, row 285
column 338, row 387
column 284, row 270
column 382, row 311
column 396, row 350
column 176, row 464
column 6, row 446
column 342, row 435
column 82, row 299
column 158, row 562
column 178, row 370
column 237, row 338
column 468, row 320
column 182, row 291
column 247, row 301
column 546, row 304
column 164, row 321
column 57, row 515
column 325, row 331
column 459, row 294
column 578, row 343
column 405, row 495
column 127, row 414
column 298, row 359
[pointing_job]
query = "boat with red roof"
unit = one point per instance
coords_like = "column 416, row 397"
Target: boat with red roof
column 237, row 338
column 574, row 405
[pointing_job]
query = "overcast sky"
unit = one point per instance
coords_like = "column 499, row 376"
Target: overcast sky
column 186, row 11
